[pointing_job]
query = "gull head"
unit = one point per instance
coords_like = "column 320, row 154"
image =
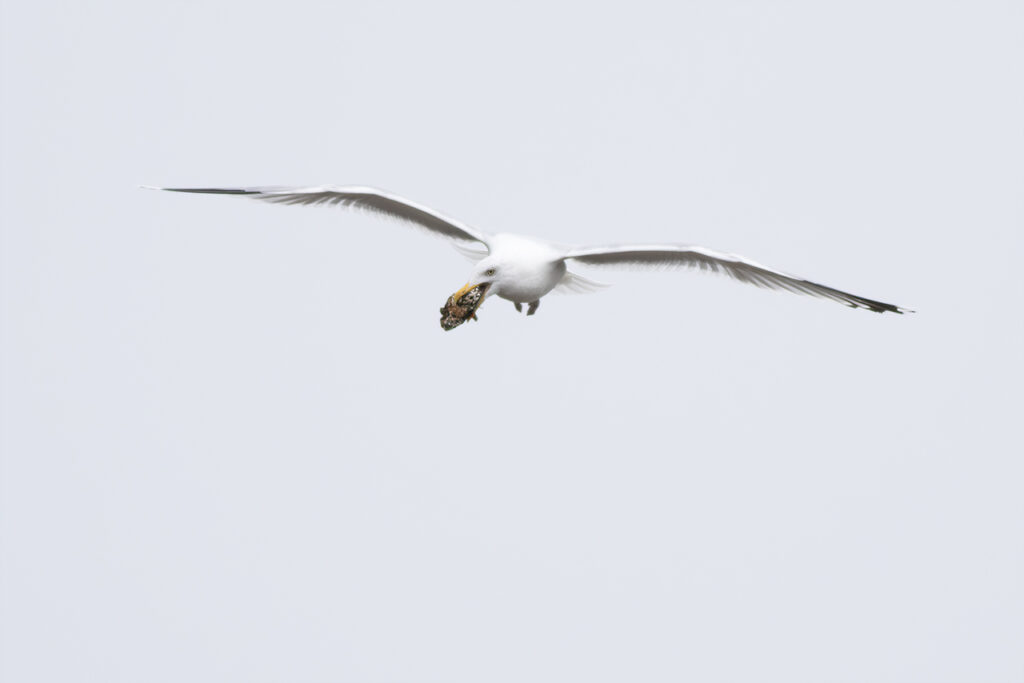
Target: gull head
column 461, row 306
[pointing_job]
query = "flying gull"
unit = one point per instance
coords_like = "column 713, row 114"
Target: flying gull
column 523, row 269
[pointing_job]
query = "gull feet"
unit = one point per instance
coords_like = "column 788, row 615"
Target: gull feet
column 519, row 306
column 533, row 307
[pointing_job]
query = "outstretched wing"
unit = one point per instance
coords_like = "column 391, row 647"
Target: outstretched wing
column 367, row 198
column 737, row 267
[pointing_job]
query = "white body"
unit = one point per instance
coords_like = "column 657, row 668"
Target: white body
column 526, row 268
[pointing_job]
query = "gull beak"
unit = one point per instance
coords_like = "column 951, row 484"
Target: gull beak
column 464, row 291
column 461, row 306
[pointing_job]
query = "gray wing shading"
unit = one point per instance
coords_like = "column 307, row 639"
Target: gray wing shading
column 737, row 267
column 366, row 198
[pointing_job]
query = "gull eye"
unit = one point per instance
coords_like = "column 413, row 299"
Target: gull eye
column 489, row 272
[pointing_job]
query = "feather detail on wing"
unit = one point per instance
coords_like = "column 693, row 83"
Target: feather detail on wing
column 737, row 267
column 366, row 198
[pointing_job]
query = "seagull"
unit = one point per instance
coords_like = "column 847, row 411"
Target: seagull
column 524, row 269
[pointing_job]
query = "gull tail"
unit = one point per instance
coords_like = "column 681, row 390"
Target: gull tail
column 573, row 283
column 469, row 252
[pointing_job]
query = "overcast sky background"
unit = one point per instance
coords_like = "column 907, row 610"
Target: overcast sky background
column 237, row 445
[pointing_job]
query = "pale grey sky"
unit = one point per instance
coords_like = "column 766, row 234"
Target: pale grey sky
column 237, row 446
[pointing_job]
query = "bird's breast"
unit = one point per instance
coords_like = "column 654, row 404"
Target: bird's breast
column 529, row 282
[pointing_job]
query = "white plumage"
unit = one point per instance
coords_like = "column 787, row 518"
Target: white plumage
column 524, row 269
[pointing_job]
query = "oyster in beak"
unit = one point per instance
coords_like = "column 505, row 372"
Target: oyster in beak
column 462, row 305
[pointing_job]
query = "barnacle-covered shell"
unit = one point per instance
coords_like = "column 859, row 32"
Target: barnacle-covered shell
column 455, row 312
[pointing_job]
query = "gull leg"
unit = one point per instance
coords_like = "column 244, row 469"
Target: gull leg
column 533, row 307
column 519, row 306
